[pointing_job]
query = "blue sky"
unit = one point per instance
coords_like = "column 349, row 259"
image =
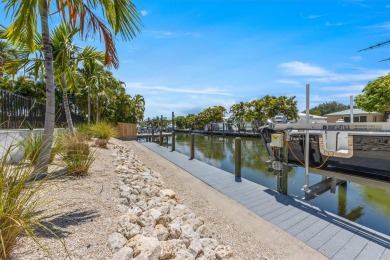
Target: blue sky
column 196, row 54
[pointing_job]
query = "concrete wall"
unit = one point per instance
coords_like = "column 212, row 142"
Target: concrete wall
column 10, row 140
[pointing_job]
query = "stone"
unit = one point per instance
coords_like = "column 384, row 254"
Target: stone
column 147, row 246
column 128, row 229
column 161, row 232
column 188, row 234
column 116, row 241
column 121, row 169
column 174, row 230
column 168, row 193
column 164, row 220
column 155, row 214
column 195, row 248
column 209, row 243
column 183, row 254
column 223, row 252
column 135, row 210
column 125, row 253
column 170, row 248
column 204, row 231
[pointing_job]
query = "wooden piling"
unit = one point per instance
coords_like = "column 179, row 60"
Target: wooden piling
column 161, row 138
column 192, row 147
column 237, row 159
column 173, row 131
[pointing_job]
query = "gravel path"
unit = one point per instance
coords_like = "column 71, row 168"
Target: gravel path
column 86, row 212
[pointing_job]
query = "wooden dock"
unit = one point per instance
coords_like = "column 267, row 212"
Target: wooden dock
column 329, row 234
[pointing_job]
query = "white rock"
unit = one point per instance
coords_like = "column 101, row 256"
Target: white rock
column 156, row 214
column 195, row 247
column 125, row 253
column 128, row 229
column 116, row 240
column 209, row 243
column 204, row 231
column 135, row 210
column 148, row 246
column 174, row 230
column 183, row 254
column 161, row 232
column 223, row 252
column 169, row 248
column 168, row 193
column 188, row 234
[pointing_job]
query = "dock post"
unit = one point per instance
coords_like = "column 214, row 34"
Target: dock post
column 284, row 173
column 161, row 138
column 237, row 159
column 192, row 147
column 152, row 135
column 173, row 131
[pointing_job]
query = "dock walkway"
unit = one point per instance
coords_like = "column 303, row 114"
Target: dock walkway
column 329, row 234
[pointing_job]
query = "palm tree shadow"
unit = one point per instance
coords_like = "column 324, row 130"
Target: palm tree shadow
column 54, row 226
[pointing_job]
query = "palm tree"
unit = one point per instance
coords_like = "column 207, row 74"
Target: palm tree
column 122, row 17
column 7, row 53
column 137, row 108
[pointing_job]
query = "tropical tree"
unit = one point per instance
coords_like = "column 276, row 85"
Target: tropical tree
column 239, row 115
column 6, row 53
column 327, row 108
column 375, row 96
column 137, row 105
column 180, row 122
column 121, row 16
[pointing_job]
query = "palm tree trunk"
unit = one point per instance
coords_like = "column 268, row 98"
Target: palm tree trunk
column 66, row 104
column 43, row 160
column 89, row 105
column 97, row 108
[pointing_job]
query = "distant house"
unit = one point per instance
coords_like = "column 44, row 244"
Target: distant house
column 359, row 115
column 313, row 118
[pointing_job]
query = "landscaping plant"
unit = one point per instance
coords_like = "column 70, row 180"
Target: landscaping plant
column 103, row 131
column 77, row 157
column 19, row 202
column 32, row 145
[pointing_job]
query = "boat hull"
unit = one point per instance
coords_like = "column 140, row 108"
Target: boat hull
column 369, row 155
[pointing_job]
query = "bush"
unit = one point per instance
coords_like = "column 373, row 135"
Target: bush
column 77, row 157
column 103, row 130
column 84, row 130
column 32, row 145
column 18, row 205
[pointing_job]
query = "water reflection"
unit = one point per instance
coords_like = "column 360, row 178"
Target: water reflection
column 365, row 205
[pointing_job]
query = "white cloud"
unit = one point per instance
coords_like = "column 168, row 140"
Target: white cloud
column 289, row 82
column 381, row 26
column 314, row 16
column 159, row 89
column 319, row 74
column 170, row 34
column 336, row 24
column 298, row 68
column 356, row 58
column 144, row 13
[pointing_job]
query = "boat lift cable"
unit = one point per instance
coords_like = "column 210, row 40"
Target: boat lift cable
column 317, row 167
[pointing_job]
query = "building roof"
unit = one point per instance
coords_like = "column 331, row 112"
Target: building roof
column 356, row 111
column 311, row 116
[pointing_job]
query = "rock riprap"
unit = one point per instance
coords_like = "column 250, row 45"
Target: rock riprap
column 154, row 225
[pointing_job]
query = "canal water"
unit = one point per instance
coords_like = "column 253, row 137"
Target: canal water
column 362, row 204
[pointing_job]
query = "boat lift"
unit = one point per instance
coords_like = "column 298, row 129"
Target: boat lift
column 279, row 141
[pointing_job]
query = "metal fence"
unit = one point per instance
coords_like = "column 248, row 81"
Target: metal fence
column 18, row 112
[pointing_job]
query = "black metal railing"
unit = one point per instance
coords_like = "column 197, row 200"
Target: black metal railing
column 19, row 112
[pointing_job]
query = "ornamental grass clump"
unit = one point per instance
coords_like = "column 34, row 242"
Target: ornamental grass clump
column 103, row 131
column 19, row 202
column 77, row 156
column 32, row 145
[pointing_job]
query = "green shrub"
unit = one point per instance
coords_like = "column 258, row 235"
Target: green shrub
column 77, row 157
column 19, row 203
column 84, row 130
column 32, row 145
column 103, row 130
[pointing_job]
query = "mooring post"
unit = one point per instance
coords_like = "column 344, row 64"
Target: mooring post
column 192, row 147
column 237, row 159
column 173, row 131
column 153, row 135
column 161, row 139
column 284, row 177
